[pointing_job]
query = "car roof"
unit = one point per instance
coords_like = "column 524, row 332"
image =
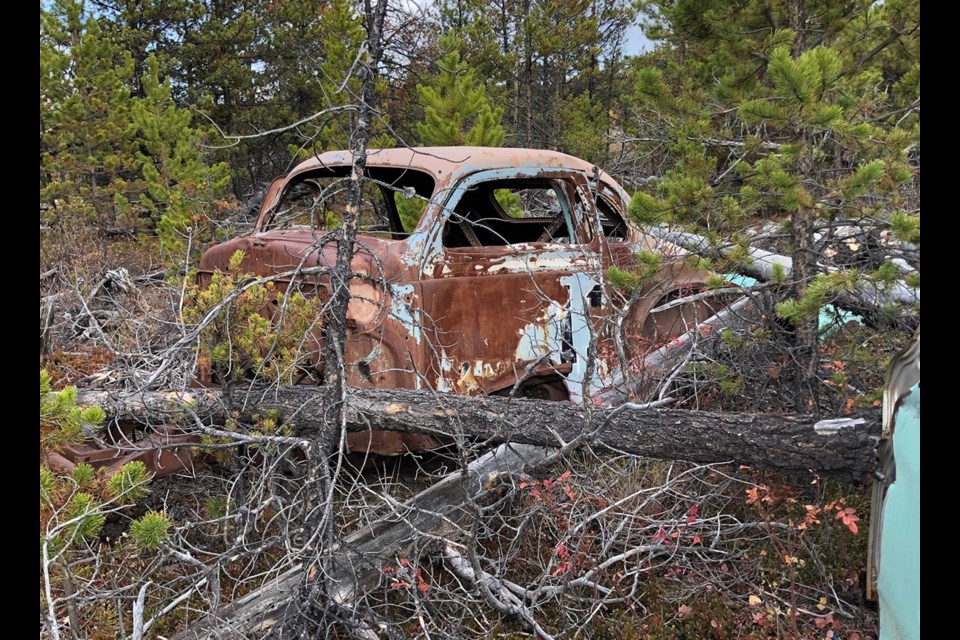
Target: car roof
column 445, row 162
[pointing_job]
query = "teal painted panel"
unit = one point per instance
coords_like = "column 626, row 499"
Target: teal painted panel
column 899, row 578
column 830, row 318
column 740, row 280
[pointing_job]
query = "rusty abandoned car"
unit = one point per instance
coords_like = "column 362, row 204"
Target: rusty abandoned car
column 499, row 285
column 495, row 285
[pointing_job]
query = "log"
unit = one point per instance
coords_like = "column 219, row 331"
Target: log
column 843, row 448
column 360, row 558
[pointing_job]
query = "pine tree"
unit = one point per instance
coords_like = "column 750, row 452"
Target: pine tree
column 342, row 36
column 583, row 129
column 539, row 56
column 180, row 186
column 456, row 112
column 456, row 109
column 218, row 62
column 130, row 161
column 792, row 123
column 86, row 149
column 149, row 28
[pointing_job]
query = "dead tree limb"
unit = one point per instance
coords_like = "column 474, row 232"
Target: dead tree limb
column 360, row 557
column 777, row 442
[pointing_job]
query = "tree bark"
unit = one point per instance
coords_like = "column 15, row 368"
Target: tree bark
column 843, row 449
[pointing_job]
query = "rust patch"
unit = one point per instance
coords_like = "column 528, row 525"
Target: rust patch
column 165, row 451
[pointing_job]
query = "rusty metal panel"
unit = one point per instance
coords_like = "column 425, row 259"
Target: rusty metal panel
column 164, row 451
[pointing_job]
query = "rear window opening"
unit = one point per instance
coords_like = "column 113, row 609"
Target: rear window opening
column 614, row 228
column 319, row 199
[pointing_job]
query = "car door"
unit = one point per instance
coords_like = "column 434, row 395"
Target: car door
column 511, row 285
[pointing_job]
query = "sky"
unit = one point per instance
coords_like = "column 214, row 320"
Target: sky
column 637, row 42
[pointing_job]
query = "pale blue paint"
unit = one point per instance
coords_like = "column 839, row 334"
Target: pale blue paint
column 406, row 315
column 538, row 339
column 425, row 243
column 899, row 575
column 580, row 285
column 740, row 280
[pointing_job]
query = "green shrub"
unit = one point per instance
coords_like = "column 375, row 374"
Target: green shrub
column 150, row 531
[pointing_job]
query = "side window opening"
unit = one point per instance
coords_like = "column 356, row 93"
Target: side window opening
column 299, row 206
column 410, row 208
column 507, row 212
column 321, row 202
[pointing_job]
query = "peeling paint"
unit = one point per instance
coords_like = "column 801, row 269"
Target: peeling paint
column 404, row 310
column 543, row 337
column 580, row 285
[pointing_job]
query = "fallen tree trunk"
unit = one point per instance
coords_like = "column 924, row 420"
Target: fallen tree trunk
column 844, row 450
column 360, row 558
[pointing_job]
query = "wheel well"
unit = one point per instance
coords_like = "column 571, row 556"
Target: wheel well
column 546, row 387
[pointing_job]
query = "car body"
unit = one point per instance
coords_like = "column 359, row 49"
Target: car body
column 899, row 554
column 499, row 287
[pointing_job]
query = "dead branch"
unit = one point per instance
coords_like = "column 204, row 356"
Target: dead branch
column 360, row 557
